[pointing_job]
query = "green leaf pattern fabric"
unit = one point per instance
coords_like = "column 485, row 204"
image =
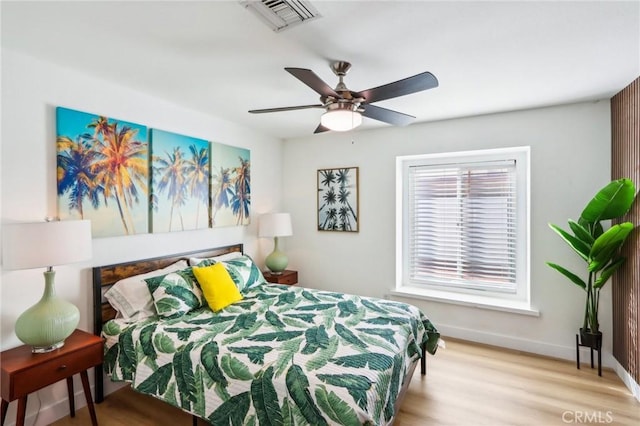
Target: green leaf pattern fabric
column 244, row 273
column 176, row 293
column 285, row 356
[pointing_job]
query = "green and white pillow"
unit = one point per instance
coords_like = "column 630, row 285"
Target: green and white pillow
column 175, row 294
column 244, row 272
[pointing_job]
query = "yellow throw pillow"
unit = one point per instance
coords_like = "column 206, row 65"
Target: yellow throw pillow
column 217, row 286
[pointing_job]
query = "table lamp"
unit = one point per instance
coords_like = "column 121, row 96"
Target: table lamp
column 275, row 225
column 46, row 325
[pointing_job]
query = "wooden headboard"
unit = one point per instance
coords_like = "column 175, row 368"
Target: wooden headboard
column 106, row 276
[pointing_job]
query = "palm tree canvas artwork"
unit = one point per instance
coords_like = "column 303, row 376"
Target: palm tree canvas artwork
column 230, row 185
column 338, row 199
column 102, row 172
column 179, row 182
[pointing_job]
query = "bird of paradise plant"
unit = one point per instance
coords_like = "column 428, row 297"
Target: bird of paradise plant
column 598, row 248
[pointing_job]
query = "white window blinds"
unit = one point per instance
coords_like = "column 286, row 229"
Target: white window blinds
column 462, row 225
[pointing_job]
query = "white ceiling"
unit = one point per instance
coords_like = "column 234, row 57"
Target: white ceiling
column 219, row 58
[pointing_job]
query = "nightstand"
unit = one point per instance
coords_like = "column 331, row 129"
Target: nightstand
column 287, row 277
column 23, row 372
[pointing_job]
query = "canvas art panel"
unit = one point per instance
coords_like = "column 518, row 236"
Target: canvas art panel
column 102, row 172
column 230, row 185
column 338, row 200
column 180, row 188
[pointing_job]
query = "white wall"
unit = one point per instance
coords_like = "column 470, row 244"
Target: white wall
column 570, row 161
column 31, row 90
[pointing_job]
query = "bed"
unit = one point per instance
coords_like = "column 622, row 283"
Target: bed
column 282, row 355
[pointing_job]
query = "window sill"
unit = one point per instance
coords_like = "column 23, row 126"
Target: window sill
column 469, row 300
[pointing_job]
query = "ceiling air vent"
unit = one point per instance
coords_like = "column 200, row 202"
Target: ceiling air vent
column 282, row 14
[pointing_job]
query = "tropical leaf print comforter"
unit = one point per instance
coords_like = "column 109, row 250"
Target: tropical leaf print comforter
column 282, row 356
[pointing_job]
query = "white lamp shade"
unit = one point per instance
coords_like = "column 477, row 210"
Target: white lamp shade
column 341, row 120
column 275, row 225
column 44, row 244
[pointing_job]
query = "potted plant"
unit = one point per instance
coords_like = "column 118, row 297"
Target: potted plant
column 600, row 249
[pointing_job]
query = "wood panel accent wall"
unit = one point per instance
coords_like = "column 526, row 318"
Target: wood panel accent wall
column 625, row 159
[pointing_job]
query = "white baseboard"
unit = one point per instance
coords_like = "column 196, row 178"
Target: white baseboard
column 627, row 380
column 526, row 345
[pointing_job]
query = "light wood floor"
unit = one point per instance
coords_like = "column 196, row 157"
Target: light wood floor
column 466, row 384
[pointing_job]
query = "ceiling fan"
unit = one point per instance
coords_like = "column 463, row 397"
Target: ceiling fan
column 345, row 109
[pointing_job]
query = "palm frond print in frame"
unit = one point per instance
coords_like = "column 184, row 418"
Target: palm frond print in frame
column 102, row 172
column 338, row 200
column 179, row 182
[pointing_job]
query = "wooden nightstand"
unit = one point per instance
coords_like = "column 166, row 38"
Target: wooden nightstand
column 286, row 277
column 24, row 372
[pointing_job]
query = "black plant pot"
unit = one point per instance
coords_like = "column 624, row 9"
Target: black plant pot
column 589, row 339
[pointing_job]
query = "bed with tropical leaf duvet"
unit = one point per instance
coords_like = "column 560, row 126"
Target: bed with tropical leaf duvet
column 283, row 355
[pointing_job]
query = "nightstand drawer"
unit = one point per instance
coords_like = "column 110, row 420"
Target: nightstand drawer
column 287, row 277
column 57, row 368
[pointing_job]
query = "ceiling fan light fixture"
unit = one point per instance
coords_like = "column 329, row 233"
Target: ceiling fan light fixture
column 344, row 108
column 341, row 120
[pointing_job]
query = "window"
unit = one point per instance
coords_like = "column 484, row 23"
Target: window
column 463, row 225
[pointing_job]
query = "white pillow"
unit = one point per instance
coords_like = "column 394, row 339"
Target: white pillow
column 194, row 261
column 130, row 296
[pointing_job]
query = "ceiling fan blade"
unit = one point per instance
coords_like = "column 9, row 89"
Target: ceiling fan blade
column 409, row 85
column 291, row 108
column 321, row 129
column 309, row 78
column 388, row 116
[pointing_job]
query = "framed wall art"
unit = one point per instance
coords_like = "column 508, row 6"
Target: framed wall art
column 129, row 179
column 102, row 172
column 179, row 182
column 338, row 200
column 230, row 185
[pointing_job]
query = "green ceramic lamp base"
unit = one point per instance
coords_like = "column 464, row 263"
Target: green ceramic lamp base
column 46, row 325
column 277, row 261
